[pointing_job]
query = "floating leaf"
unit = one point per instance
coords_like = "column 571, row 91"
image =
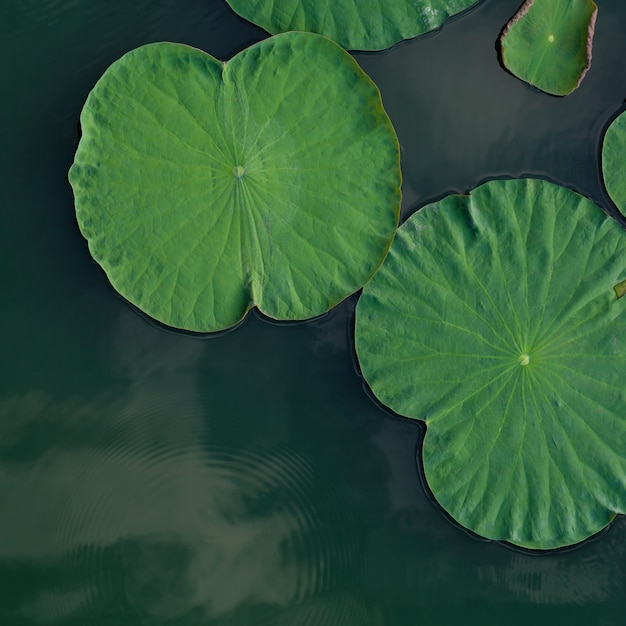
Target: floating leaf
column 354, row 24
column 548, row 43
column 205, row 188
column 614, row 161
column 495, row 320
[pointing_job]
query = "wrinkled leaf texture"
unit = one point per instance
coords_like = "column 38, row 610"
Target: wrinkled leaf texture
column 206, row 188
column 495, row 320
column 354, row 24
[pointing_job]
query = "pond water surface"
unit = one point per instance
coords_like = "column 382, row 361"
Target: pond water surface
column 159, row 478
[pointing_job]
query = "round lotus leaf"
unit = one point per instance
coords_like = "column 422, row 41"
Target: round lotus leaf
column 205, row 188
column 354, row 24
column 548, row 43
column 614, row 161
column 496, row 319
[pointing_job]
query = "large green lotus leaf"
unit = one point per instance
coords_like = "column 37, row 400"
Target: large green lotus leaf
column 614, row 161
column 205, row 188
column 548, row 43
column 495, row 320
column 354, row 24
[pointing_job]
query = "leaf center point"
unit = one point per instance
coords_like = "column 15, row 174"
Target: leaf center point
column 524, row 359
column 239, row 171
column 551, row 38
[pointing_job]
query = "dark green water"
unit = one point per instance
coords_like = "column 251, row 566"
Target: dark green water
column 155, row 478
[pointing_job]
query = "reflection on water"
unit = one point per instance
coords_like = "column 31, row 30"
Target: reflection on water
column 150, row 477
column 563, row 579
column 212, row 531
column 184, row 493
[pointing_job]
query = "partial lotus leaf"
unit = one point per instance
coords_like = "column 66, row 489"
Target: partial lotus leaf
column 495, row 320
column 354, row 24
column 205, row 188
column 548, row 43
column 614, row 161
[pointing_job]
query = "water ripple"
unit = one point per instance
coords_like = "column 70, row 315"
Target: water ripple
column 163, row 532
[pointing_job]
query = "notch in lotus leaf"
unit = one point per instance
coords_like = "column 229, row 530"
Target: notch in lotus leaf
column 354, row 24
column 495, row 320
column 548, row 43
column 206, row 188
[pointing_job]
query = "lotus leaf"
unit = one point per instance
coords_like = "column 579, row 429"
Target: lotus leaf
column 495, row 320
column 354, row 24
column 205, row 188
column 614, row 161
column 548, row 43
